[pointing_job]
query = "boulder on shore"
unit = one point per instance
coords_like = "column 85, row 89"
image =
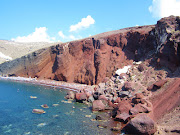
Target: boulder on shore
column 157, row 85
column 127, row 86
column 102, row 97
column 138, row 98
column 96, row 95
column 80, row 97
column 124, row 107
column 139, row 95
column 140, row 108
column 123, row 117
column 98, row 105
column 160, row 83
column 70, row 95
column 141, row 125
column 141, row 67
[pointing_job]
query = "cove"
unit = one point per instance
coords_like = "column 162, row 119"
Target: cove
column 61, row 118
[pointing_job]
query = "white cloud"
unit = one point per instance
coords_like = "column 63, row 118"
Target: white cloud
column 60, row 33
column 5, row 56
column 72, row 37
column 39, row 35
column 85, row 23
column 165, row 8
column 69, row 37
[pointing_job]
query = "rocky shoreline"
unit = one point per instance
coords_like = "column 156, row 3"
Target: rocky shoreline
column 128, row 105
column 133, row 73
column 49, row 83
column 125, row 97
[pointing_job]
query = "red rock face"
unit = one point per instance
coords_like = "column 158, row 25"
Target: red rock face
column 168, row 37
column 91, row 60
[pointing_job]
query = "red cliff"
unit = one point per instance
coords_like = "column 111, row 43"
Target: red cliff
column 88, row 60
column 92, row 59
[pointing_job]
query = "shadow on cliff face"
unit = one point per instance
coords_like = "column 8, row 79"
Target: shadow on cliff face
column 90, row 60
column 140, row 46
column 159, row 44
column 167, row 33
column 55, row 65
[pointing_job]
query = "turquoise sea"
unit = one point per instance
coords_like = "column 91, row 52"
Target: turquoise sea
column 16, row 117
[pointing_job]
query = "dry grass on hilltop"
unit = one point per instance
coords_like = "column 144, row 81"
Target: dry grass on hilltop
column 19, row 49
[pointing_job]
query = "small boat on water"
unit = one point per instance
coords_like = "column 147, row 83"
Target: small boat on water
column 38, row 111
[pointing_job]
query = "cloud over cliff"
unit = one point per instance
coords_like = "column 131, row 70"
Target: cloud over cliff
column 165, row 8
column 84, row 23
column 39, row 35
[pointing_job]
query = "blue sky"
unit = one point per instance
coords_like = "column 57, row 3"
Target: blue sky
column 57, row 20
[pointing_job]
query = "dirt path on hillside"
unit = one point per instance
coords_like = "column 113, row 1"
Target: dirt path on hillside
column 165, row 101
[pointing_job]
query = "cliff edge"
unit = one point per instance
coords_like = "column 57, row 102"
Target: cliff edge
column 92, row 60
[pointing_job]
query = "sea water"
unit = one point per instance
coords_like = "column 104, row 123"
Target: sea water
column 61, row 118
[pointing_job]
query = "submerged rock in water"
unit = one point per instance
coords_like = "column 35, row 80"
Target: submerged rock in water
column 118, row 129
column 98, row 117
column 101, row 126
column 88, row 116
column 41, row 125
column 38, row 111
column 34, row 97
column 69, row 101
column 44, row 106
column 55, row 105
column 27, row 133
column 55, row 116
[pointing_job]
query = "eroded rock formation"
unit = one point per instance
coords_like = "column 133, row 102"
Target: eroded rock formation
column 137, row 97
column 90, row 60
